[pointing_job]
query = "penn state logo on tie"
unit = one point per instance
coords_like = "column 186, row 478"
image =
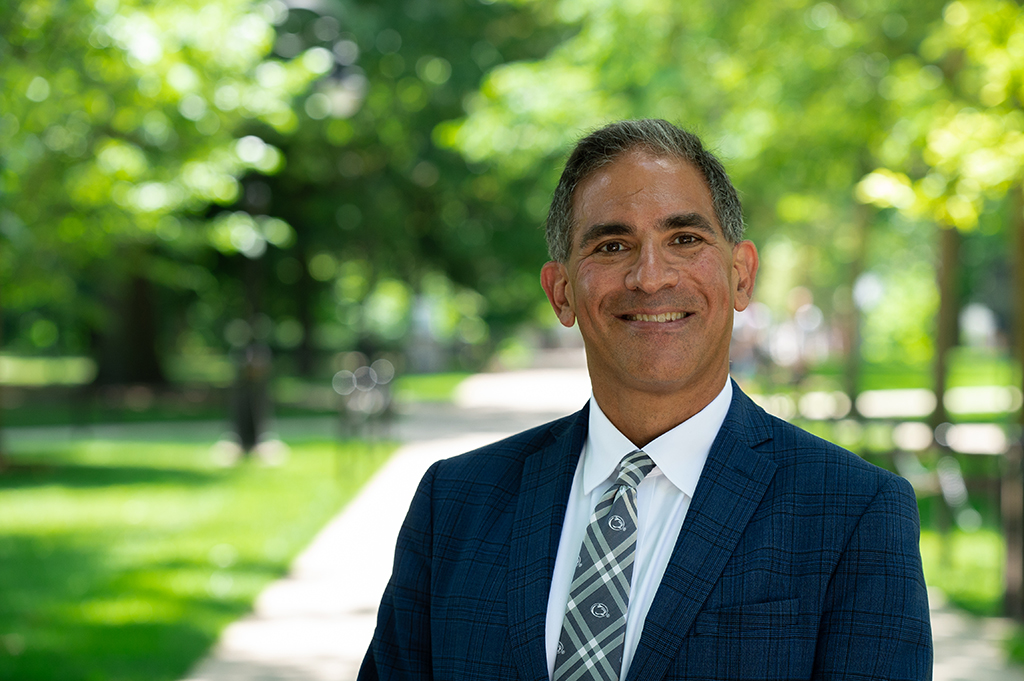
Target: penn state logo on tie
column 592, row 631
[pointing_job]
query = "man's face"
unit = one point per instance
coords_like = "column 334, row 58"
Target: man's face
column 651, row 278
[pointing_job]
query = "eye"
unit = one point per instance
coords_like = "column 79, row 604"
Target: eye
column 686, row 239
column 610, row 247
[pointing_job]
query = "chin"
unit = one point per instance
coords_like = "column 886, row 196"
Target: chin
column 667, row 377
column 659, row 381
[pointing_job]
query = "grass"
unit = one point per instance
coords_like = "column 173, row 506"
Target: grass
column 967, row 367
column 292, row 396
column 429, row 387
column 967, row 566
column 1015, row 645
column 123, row 561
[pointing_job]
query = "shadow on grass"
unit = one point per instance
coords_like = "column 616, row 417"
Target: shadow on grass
column 66, row 615
column 25, row 475
column 123, row 562
column 136, row 651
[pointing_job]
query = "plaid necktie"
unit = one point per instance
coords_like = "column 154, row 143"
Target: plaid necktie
column 594, row 629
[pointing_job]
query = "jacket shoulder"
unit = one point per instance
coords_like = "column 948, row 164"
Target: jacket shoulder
column 803, row 456
column 496, row 464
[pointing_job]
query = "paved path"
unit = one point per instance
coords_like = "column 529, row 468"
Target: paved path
column 314, row 625
column 970, row 648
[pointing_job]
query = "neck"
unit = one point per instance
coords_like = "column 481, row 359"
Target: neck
column 643, row 416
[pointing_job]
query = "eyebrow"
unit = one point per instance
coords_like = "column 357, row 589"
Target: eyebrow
column 604, row 229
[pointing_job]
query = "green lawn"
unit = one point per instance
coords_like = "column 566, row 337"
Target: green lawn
column 438, row 387
column 967, row 367
column 123, row 560
column 967, row 566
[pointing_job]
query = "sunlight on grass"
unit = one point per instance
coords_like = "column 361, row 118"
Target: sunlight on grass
column 1015, row 644
column 125, row 560
column 968, row 567
column 429, row 387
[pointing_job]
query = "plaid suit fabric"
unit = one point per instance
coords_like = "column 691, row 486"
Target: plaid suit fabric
column 797, row 560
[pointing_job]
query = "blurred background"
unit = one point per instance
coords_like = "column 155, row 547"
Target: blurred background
column 238, row 239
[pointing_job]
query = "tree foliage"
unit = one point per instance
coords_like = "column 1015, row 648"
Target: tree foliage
column 960, row 145
column 334, row 175
column 797, row 97
column 118, row 128
column 386, row 221
column 151, row 152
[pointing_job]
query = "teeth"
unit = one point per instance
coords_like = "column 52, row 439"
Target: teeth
column 664, row 317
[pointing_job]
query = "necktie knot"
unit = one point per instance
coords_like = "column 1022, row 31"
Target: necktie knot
column 634, row 467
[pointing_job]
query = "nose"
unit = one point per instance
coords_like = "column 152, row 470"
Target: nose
column 651, row 271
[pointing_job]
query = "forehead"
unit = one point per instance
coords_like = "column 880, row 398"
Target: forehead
column 640, row 186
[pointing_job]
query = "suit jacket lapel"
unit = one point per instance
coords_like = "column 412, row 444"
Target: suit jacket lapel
column 731, row 486
column 536, row 529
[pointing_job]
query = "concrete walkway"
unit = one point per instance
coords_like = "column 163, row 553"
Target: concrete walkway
column 315, row 624
column 970, row 648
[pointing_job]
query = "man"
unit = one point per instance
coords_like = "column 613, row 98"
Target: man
column 671, row 529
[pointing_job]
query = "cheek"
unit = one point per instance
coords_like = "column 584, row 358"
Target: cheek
column 588, row 287
column 707, row 278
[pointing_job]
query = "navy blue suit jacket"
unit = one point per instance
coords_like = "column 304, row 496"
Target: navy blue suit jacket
column 796, row 560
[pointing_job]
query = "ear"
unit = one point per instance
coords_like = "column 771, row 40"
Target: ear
column 555, row 281
column 744, row 267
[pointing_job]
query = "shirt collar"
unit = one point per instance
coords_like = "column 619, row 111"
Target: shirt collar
column 679, row 454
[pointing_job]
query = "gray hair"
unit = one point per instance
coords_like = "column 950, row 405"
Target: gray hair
column 661, row 138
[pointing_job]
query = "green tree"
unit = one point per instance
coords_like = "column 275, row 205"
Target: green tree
column 118, row 128
column 795, row 96
column 385, row 219
column 958, row 160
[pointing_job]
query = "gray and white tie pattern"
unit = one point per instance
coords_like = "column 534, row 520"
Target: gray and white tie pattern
column 594, row 629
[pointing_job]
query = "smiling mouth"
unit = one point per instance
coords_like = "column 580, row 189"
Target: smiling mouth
column 664, row 317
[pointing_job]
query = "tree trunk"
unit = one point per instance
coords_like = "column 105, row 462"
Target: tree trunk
column 947, row 329
column 253, row 365
column 848, row 313
column 128, row 350
column 305, row 290
column 1012, row 501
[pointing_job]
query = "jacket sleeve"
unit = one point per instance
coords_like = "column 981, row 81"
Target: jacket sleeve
column 400, row 648
column 875, row 622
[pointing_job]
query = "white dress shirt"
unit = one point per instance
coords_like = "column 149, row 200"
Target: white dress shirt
column 663, row 498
